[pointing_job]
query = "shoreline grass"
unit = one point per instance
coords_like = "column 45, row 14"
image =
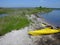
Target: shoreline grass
column 9, row 23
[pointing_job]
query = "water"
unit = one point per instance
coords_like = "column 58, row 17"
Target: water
column 52, row 17
column 2, row 15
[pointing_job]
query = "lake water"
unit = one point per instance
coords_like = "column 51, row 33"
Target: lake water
column 2, row 15
column 52, row 17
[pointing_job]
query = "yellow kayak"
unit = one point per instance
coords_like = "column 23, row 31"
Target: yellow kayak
column 45, row 31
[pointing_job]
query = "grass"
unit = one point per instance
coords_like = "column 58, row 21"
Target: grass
column 40, row 10
column 10, row 23
column 7, row 10
column 26, row 10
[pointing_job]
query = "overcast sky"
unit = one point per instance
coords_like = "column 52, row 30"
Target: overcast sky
column 30, row 3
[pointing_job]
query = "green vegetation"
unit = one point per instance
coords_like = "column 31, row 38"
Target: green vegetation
column 10, row 23
column 6, row 10
column 26, row 10
column 40, row 10
column 16, row 18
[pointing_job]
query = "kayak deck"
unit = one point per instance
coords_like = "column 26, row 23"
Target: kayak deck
column 45, row 31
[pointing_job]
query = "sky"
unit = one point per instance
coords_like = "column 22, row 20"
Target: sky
column 30, row 3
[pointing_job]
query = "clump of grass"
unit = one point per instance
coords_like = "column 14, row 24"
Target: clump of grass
column 10, row 23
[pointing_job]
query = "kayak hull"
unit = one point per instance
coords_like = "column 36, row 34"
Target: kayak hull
column 45, row 31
